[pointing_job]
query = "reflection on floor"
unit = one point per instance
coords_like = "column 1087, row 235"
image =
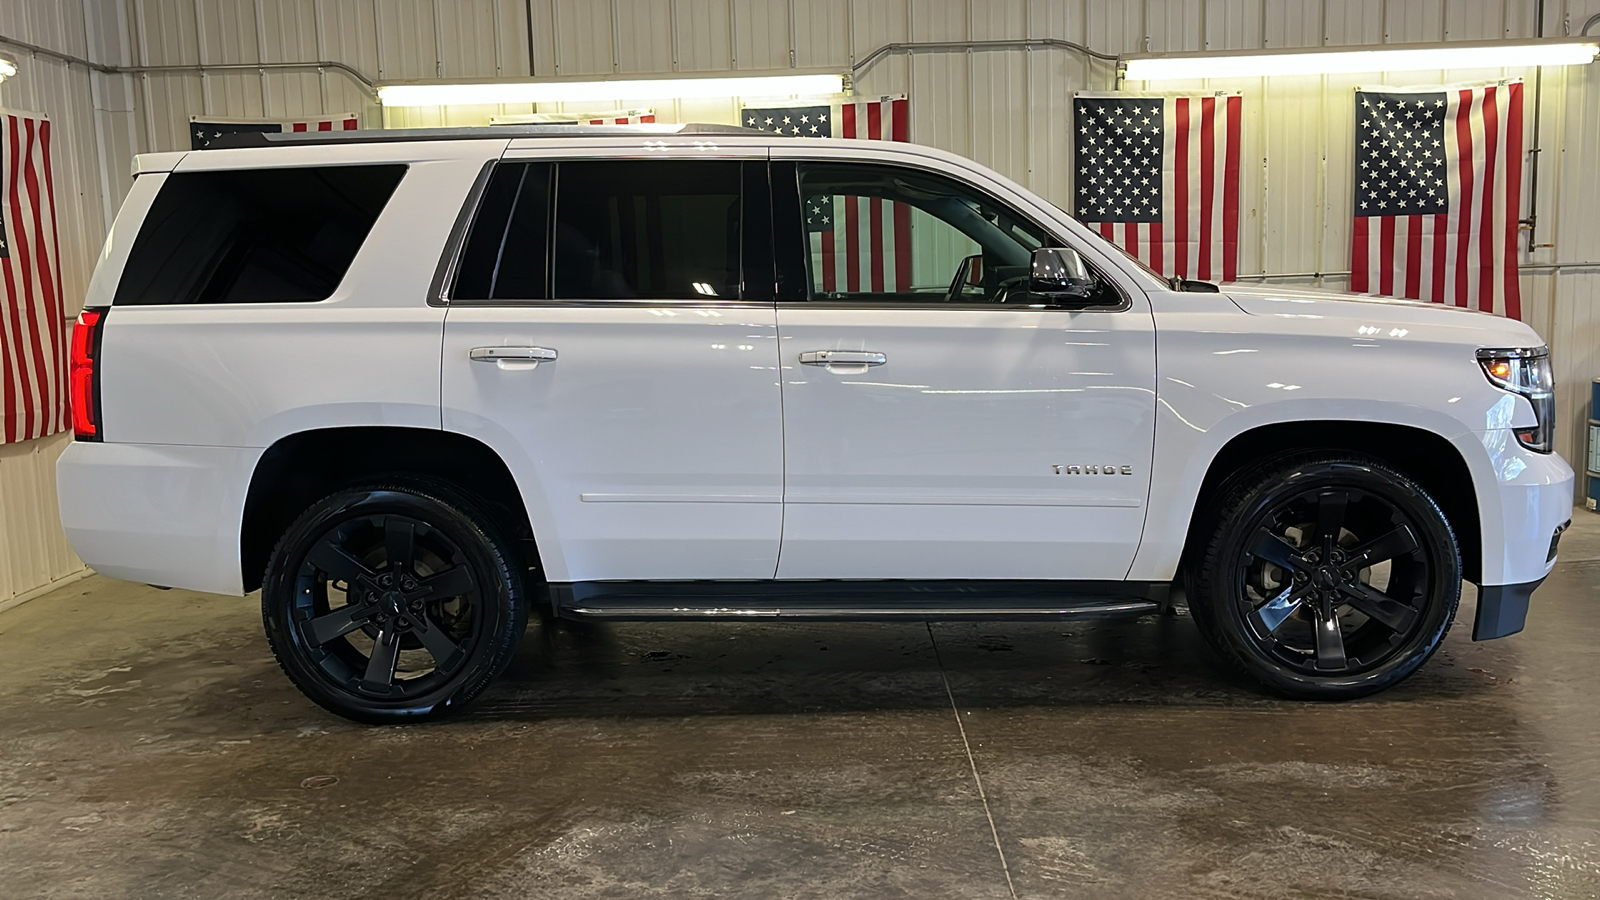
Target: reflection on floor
column 151, row 747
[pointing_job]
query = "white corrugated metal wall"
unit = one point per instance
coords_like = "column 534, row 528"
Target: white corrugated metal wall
column 90, row 163
column 1006, row 108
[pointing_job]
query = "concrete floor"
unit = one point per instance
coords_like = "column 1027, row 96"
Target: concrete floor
column 149, row 747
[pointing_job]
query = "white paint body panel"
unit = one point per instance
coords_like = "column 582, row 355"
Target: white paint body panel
column 652, row 447
column 940, row 463
column 646, row 452
column 1270, row 356
column 157, row 513
column 247, row 374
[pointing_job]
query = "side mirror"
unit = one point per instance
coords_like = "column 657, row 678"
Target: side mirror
column 1191, row 286
column 970, row 273
column 1058, row 276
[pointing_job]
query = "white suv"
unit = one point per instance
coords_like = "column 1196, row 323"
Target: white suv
column 414, row 385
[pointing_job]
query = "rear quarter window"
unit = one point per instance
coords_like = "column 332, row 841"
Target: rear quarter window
column 254, row 235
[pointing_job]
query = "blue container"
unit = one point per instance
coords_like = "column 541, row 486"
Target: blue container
column 1592, row 462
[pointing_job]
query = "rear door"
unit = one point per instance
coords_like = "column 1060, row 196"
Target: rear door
column 938, row 425
column 612, row 337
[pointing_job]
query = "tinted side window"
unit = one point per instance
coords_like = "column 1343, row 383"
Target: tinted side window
column 509, row 263
column 254, row 235
column 635, row 229
column 888, row 234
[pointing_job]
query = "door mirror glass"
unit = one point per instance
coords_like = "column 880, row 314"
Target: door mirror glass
column 1059, row 276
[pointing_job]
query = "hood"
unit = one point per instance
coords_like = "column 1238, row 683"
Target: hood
column 1379, row 316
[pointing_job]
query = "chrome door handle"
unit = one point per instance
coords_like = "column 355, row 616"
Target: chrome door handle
column 842, row 358
column 495, row 354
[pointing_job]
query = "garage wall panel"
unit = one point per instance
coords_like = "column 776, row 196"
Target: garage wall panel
column 1355, row 22
column 644, row 37
column 761, row 33
column 1414, row 21
column 469, row 40
column 1293, row 23
column 583, row 37
column 1171, row 25
column 407, row 40
column 86, row 115
column 1232, row 24
column 822, row 34
column 169, row 31
column 33, row 551
column 348, row 32
column 945, row 20
column 875, row 25
column 289, row 30
column 704, row 36
column 1123, row 28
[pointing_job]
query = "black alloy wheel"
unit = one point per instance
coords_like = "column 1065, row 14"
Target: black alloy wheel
column 393, row 603
column 1327, row 577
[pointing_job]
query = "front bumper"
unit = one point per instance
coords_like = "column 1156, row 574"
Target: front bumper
column 1502, row 610
column 1523, row 512
column 1524, row 498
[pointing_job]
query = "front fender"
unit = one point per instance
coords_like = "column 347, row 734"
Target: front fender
column 1184, row 457
column 1223, row 373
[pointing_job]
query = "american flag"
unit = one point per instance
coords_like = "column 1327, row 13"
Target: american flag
column 203, row 131
column 635, row 116
column 640, row 119
column 1160, row 177
column 1438, row 189
column 857, row 243
column 33, row 360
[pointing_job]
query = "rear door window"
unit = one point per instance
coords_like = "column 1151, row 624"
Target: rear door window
column 648, row 230
column 254, row 235
column 507, row 253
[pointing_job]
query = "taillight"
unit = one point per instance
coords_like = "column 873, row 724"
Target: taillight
column 85, row 375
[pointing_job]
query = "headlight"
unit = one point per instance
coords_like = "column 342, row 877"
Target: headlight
column 1526, row 371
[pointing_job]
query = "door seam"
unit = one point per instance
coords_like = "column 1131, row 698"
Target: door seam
column 783, row 444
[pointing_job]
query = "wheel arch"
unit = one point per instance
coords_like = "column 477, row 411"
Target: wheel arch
column 302, row 468
column 1426, row 457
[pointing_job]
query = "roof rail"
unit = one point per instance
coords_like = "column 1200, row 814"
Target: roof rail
column 468, row 133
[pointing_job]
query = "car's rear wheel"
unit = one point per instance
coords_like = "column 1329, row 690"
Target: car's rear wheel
column 1326, row 576
column 394, row 602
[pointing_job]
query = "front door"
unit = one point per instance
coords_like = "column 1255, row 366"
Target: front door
column 608, row 354
column 938, row 425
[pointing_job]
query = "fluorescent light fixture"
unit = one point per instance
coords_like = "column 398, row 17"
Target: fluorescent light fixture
column 448, row 94
column 7, row 69
column 1391, row 58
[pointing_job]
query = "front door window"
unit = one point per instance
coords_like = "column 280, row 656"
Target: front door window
column 880, row 233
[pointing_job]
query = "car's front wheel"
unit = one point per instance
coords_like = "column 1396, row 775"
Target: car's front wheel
column 1326, row 576
column 394, row 602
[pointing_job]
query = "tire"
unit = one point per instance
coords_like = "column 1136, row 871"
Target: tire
column 1325, row 576
column 394, row 602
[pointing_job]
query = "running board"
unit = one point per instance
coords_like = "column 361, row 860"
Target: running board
column 854, row 600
